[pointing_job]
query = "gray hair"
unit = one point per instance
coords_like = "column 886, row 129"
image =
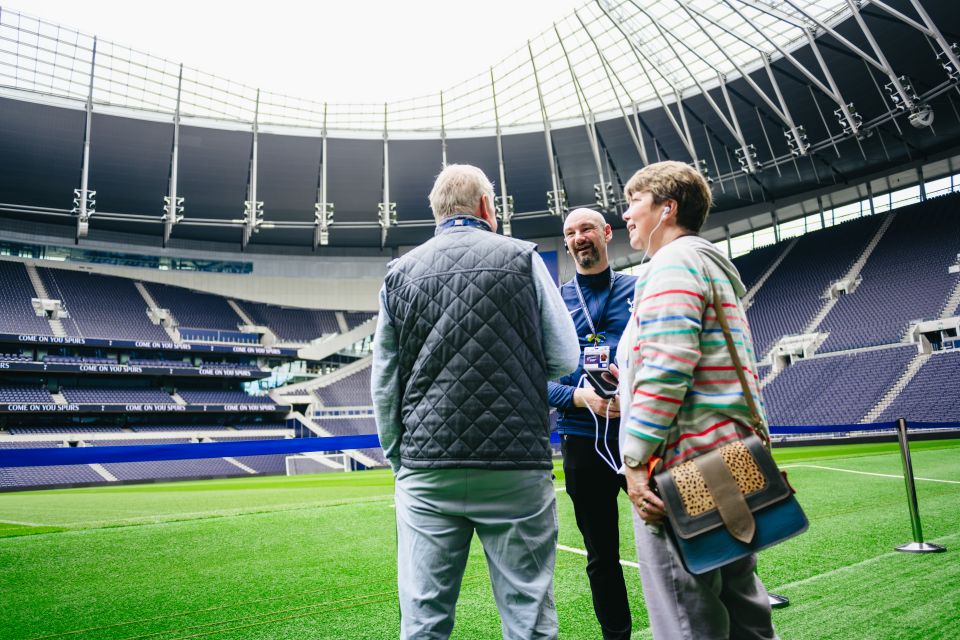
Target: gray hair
column 458, row 189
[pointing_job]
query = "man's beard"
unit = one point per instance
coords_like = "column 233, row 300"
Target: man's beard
column 587, row 260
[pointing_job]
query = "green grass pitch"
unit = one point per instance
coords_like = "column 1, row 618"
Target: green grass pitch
column 314, row 557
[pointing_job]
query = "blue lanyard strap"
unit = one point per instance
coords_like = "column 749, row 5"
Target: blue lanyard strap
column 594, row 337
column 463, row 221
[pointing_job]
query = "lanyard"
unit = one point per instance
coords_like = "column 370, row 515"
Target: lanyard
column 463, row 221
column 594, row 337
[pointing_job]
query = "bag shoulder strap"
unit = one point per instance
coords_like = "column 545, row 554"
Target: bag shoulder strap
column 756, row 422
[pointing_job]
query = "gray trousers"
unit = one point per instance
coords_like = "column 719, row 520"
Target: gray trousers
column 514, row 513
column 729, row 602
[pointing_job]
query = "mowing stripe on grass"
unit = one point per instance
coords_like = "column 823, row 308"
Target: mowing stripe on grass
column 581, row 552
column 186, row 516
column 181, row 614
column 858, row 565
column 371, row 598
column 378, row 597
column 866, row 473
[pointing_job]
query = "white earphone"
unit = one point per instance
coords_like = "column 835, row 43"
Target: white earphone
column 665, row 213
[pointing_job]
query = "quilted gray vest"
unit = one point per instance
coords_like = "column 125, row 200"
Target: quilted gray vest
column 471, row 363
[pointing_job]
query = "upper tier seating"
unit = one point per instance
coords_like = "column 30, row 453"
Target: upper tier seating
column 905, row 278
column 753, row 265
column 101, row 306
column 791, row 297
column 294, row 325
column 16, row 311
column 195, row 309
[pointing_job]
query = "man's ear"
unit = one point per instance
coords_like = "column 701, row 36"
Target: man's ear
column 607, row 232
column 486, row 211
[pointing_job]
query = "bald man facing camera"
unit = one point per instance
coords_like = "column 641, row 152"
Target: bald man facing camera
column 598, row 300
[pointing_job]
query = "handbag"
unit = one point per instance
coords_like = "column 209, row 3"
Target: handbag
column 733, row 501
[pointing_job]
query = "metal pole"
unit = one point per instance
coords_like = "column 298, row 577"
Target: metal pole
column 918, row 545
column 506, row 202
column 83, row 193
column 443, row 134
column 173, row 202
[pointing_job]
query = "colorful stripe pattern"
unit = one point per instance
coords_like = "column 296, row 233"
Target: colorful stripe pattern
column 685, row 396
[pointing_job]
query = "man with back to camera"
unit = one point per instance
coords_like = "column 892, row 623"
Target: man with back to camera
column 471, row 327
column 598, row 300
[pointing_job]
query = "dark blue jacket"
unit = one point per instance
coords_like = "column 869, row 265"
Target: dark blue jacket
column 611, row 322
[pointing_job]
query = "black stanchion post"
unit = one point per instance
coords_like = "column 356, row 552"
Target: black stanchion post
column 918, row 545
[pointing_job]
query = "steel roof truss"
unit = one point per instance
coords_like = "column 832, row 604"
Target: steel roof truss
column 734, row 127
column 590, row 126
column 608, row 70
column 638, row 54
column 556, row 199
column 782, row 110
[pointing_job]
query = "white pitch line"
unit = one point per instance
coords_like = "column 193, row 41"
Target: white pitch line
column 27, row 524
column 851, row 567
column 867, row 473
column 581, row 552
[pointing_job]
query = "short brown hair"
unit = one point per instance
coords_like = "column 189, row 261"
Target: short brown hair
column 671, row 180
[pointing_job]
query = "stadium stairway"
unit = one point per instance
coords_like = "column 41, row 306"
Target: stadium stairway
column 952, row 306
column 55, row 325
column 850, row 276
column 748, row 297
column 240, row 312
column 324, row 381
column 908, row 374
column 106, row 475
column 267, row 336
column 155, row 312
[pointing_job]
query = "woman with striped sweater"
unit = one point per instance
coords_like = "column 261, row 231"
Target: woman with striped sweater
column 680, row 398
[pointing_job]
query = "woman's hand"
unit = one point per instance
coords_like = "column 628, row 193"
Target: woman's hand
column 648, row 504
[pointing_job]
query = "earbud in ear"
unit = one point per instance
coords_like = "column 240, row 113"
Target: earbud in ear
column 665, row 212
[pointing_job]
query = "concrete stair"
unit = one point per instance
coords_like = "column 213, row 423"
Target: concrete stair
column 851, row 275
column 748, row 296
column 56, row 326
column 912, row 369
column 170, row 326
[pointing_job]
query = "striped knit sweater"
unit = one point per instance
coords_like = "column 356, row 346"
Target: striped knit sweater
column 680, row 395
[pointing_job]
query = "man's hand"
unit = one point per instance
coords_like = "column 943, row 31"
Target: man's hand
column 585, row 397
column 648, row 504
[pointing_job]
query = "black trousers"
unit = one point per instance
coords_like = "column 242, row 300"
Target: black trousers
column 593, row 487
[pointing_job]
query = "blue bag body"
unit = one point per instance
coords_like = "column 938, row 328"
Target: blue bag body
column 701, row 538
column 716, row 548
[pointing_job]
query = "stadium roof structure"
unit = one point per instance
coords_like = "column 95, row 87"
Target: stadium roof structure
column 768, row 99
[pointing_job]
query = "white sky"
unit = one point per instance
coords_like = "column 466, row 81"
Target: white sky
column 348, row 51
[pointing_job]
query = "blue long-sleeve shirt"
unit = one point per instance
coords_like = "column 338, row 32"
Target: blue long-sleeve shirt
column 610, row 310
column 558, row 340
